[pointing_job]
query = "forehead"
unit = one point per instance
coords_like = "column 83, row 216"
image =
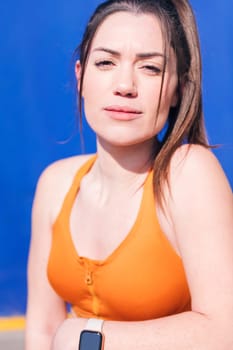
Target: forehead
column 126, row 30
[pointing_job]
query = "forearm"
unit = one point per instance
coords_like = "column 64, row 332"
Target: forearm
column 38, row 341
column 183, row 331
column 40, row 329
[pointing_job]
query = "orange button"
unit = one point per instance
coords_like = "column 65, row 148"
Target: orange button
column 88, row 279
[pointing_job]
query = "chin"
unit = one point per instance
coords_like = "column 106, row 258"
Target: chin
column 124, row 141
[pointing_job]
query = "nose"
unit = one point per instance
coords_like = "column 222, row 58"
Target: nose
column 125, row 82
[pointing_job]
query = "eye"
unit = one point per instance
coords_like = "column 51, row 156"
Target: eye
column 104, row 64
column 152, row 69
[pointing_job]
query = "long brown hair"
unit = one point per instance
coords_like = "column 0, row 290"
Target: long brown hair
column 185, row 121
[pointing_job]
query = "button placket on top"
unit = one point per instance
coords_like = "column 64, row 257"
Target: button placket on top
column 89, row 281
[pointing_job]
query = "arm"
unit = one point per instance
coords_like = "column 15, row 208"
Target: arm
column 45, row 310
column 200, row 208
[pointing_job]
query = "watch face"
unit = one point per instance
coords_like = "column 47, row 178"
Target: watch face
column 90, row 340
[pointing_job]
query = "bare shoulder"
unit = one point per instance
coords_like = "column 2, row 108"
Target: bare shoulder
column 199, row 188
column 188, row 155
column 63, row 170
column 198, row 192
column 200, row 210
column 195, row 165
column 55, row 181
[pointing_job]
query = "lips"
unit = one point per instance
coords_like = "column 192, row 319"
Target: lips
column 123, row 112
column 123, row 109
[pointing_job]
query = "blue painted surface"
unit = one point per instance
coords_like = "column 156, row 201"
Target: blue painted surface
column 37, row 110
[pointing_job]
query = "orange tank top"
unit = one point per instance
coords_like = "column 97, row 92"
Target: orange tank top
column 142, row 279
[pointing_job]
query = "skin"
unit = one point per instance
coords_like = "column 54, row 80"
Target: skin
column 128, row 76
column 197, row 219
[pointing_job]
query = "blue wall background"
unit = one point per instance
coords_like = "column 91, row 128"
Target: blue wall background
column 38, row 113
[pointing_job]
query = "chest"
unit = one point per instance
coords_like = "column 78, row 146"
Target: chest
column 114, row 261
column 98, row 229
column 142, row 278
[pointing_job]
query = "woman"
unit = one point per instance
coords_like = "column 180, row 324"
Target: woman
column 140, row 237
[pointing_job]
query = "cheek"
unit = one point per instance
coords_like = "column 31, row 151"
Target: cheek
column 169, row 94
column 91, row 99
column 89, row 88
column 90, row 83
column 167, row 100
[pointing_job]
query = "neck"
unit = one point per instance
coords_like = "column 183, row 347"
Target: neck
column 120, row 164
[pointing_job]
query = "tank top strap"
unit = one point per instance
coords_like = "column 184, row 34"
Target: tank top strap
column 83, row 170
column 72, row 192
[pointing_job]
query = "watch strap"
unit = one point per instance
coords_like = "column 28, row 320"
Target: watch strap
column 94, row 324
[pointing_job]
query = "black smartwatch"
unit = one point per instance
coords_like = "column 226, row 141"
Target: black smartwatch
column 92, row 338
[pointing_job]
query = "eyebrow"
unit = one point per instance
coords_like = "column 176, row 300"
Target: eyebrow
column 141, row 55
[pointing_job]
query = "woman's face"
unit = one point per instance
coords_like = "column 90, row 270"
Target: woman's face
column 122, row 80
